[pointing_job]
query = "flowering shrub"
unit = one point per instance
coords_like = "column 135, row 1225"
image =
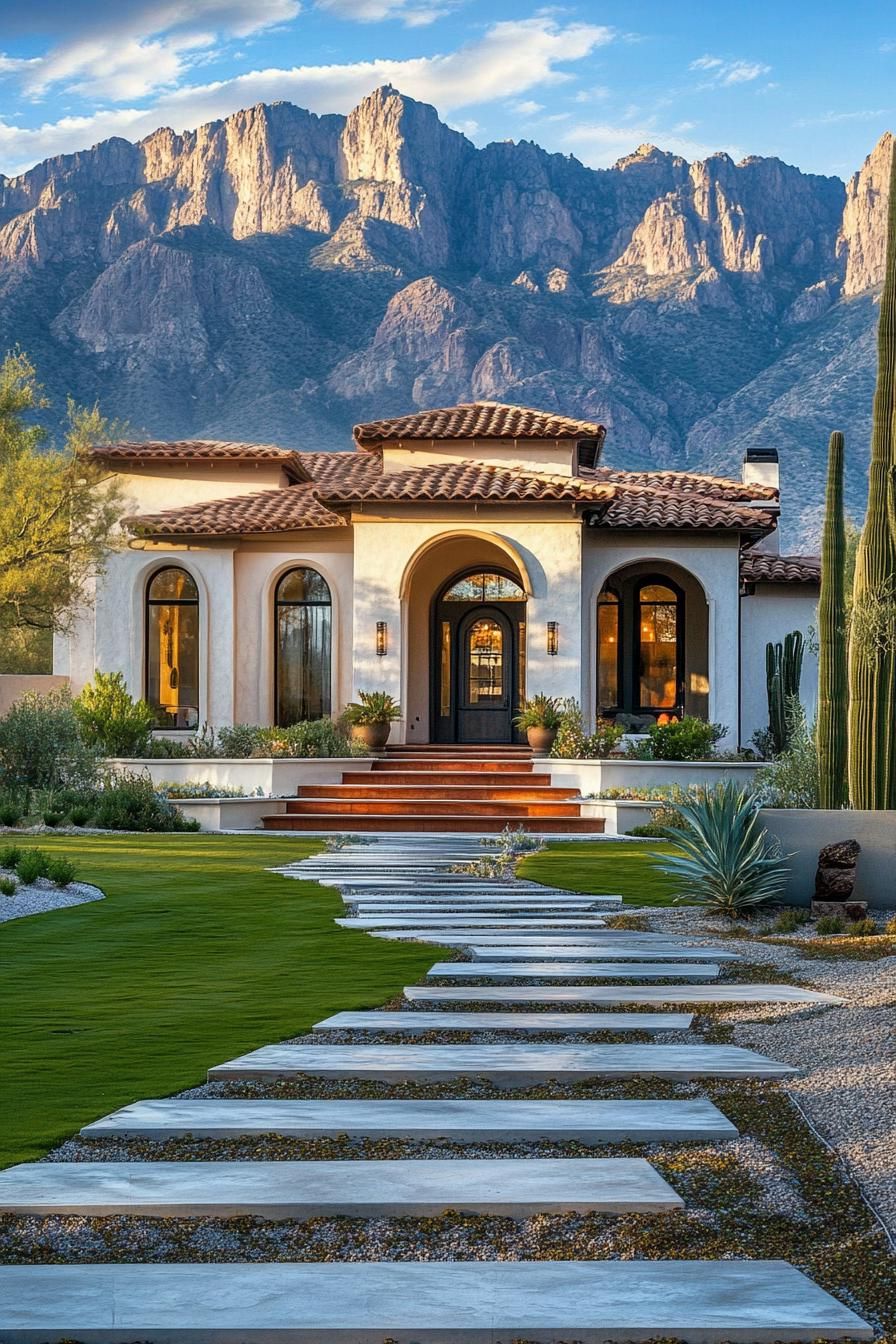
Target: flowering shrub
column 574, row 744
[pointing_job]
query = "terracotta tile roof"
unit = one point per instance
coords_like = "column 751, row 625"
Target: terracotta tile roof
column 477, row 420
column 460, row 481
column 685, row 482
column 764, row 567
column 283, row 510
column 202, row 450
column 643, row 507
column 326, row 469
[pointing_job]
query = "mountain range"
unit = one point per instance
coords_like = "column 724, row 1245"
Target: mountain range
column 278, row 276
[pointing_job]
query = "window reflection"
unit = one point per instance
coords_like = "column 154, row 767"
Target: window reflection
column 172, row 649
column 303, row 632
column 486, row 661
column 658, row 638
column 608, row 650
column 485, row 587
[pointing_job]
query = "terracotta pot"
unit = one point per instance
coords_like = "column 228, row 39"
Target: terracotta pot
column 541, row 739
column 373, row 735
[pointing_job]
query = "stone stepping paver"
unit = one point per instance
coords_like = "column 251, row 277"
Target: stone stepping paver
column 447, row 922
column 464, row 937
column 513, row 1065
column 624, row 952
column 726, row 992
column 457, row 1121
column 503, row 1187
column 527, row 1024
column 592, row 1302
column 580, row 970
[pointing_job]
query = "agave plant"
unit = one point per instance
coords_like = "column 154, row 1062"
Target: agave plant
column 725, row 859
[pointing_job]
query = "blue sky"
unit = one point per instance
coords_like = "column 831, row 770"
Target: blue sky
column 813, row 83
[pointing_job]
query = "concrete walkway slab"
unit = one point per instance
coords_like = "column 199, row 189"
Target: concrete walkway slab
column 465, row 937
column 609, row 952
column 727, row 992
column 508, row 1064
column 477, row 1302
column 504, row 1187
column 525, row 1024
column 578, row 970
column 447, row 922
column 458, row 1121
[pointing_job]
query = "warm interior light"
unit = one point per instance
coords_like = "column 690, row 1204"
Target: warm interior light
column 553, row 643
column 382, row 639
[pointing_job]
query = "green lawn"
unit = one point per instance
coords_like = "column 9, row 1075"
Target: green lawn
column 196, row 955
column 603, row 868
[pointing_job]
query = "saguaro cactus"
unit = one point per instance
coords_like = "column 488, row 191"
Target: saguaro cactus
column 783, row 670
column 872, row 636
column 833, row 701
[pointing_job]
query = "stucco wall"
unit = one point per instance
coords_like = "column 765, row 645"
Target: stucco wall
column 770, row 613
column 713, row 564
column 802, row 833
column 390, row 585
column 13, row 686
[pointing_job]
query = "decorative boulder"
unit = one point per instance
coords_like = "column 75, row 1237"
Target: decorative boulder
column 848, row 910
column 835, row 877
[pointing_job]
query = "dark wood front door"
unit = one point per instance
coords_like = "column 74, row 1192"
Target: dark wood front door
column 478, row 664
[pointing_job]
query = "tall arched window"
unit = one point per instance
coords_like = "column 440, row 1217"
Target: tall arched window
column 172, row 648
column 302, row 607
column 640, row 647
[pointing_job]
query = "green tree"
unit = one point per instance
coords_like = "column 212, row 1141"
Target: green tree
column 58, row 512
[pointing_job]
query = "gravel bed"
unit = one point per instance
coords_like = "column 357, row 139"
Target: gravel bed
column 847, row 1053
column 41, row 896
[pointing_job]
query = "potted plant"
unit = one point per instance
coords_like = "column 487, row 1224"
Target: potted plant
column 540, row 717
column 371, row 717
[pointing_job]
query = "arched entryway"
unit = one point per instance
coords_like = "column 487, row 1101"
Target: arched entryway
column 464, row 598
column 652, row 644
column 478, row 657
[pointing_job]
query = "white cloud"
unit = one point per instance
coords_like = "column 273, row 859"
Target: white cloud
column 723, row 73
column 147, row 46
column 509, row 59
column 527, row 108
column 887, row 47
column 600, row 144
column 374, row 11
column 833, row 118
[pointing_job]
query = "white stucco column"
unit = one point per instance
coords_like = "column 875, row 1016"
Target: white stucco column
column 553, row 555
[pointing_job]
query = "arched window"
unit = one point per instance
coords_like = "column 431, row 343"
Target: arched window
column 485, row 587
column 172, row 648
column 640, row 647
column 658, row 639
column 302, row 608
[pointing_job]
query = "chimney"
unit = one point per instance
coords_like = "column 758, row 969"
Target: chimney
column 760, row 467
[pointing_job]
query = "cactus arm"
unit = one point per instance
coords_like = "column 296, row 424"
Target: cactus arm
column 830, row 729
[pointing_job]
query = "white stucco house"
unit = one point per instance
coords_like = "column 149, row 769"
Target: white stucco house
column 460, row 559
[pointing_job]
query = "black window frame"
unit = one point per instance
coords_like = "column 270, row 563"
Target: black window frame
column 148, row 602
column 281, row 602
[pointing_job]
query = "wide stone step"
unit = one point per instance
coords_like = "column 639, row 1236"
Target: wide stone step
column 384, row 789
column 409, row 772
column 511, row 1065
column 726, row 992
column 583, row 970
column 432, row 807
column 480, row 825
column 457, row 765
column 524, row 1024
column 476, row 1302
column 448, row 922
column 590, row 1122
column 618, row 951
column 504, row 1187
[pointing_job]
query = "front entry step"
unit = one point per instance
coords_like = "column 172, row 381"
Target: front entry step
column 508, row 1065
column 419, row 1188
column 590, row 1122
column 593, row 1302
column 359, row 821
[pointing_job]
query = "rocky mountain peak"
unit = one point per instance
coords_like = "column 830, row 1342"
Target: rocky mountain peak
column 862, row 238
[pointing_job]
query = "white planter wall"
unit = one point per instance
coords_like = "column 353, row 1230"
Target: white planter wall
column 596, row 776
column 276, row 777
column 802, row 833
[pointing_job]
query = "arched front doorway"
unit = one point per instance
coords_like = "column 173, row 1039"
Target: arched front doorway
column 478, row 657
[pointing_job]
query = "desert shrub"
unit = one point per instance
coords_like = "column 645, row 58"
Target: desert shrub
column 763, row 744
column 240, row 740
column 131, row 803
column 167, row 749
column 726, row 861
column 790, row 920
column 201, row 789
column 111, row 719
column 52, row 819
column 830, row 924
column 889, row 927
column 80, row 814
column 861, row 928
column 41, row 745
column 8, row 886
column 9, row 856
column 791, row 779
column 32, row 864
column 10, row 814
column 61, row 871
column 574, row 744
column 662, row 819
column 688, row 740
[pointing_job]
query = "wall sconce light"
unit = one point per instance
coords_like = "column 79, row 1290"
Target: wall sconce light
column 553, row 637
column 382, row 639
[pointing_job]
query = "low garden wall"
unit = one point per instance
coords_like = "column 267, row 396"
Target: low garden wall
column 802, row 832
column 619, row 817
column 276, row 777
column 229, row 814
column 597, row 776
